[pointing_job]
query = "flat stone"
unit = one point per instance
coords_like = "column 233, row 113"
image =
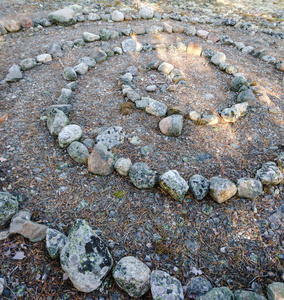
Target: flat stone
column 198, row 186
column 269, row 174
column 132, row 276
column 12, row 25
column 213, row 38
column 55, row 241
column 111, row 137
column 198, row 286
column 64, row 17
column 27, row 64
column 14, row 74
column 81, row 68
column 90, row 37
column 247, row 49
column 79, row 152
column 122, row 166
column 156, row 108
column 101, row 160
column 171, row 125
column 165, row 68
column 129, row 45
column 275, row 291
column 249, row 188
column 8, row 207
column 146, row 12
column 221, row 189
column 222, row 293
column 142, row 176
column 69, row 74
column 56, row 121
column 142, row 104
column 44, row 58
column 69, row 134
column 244, row 295
column 174, row 184
column 85, row 258
column 164, row 286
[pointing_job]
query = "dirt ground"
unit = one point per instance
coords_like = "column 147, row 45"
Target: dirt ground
column 149, row 224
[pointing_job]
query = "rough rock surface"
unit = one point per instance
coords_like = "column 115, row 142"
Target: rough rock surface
column 142, row 176
column 244, row 295
column 78, row 152
column 221, row 189
column 249, row 188
column 63, row 17
column 133, row 276
column 8, row 207
column 69, row 134
column 85, row 258
column 112, row 136
column 222, row 293
column 269, row 174
column 122, row 166
column 198, row 186
column 275, row 291
column 55, row 241
column 156, row 108
column 56, row 121
column 198, row 286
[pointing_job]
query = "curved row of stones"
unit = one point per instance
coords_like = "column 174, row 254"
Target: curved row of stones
column 59, row 17
column 87, row 261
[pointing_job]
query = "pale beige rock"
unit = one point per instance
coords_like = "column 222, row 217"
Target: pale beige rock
column 194, row 49
column 167, row 27
column 12, row 25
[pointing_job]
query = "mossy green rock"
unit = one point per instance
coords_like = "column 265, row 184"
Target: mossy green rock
column 8, row 207
column 222, row 293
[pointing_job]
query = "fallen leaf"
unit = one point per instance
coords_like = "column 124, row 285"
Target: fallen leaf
column 3, row 118
column 19, row 255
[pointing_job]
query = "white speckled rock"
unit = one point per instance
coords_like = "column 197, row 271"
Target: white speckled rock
column 69, row 134
column 198, row 186
column 221, row 189
column 142, row 176
column 112, row 136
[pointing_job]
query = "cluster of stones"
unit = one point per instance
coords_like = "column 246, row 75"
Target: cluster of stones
column 87, row 261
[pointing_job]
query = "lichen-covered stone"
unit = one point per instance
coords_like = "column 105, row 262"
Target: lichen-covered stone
column 55, row 241
column 247, row 295
column 101, row 160
column 69, row 74
column 174, row 184
column 56, row 121
column 269, row 174
column 164, row 286
column 198, row 286
column 275, row 291
column 133, row 276
column 238, row 82
column 232, row 114
column 156, row 108
column 69, row 134
column 142, row 176
column 221, row 189
column 249, row 188
column 79, row 152
column 122, row 166
column 112, row 136
column 248, row 96
column 14, row 74
column 171, row 125
column 8, row 207
column 85, row 258
column 198, row 186
column 129, row 45
column 222, row 293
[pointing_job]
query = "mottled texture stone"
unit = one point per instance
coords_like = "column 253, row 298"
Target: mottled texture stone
column 198, row 286
column 55, row 241
column 222, row 293
column 27, row 64
column 79, row 152
column 217, row 58
column 142, row 176
column 14, row 74
column 69, row 74
column 249, row 188
column 8, row 207
column 146, row 12
column 269, row 174
column 232, row 114
column 56, row 121
column 198, row 186
column 129, row 45
column 156, row 108
column 122, row 166
column 69, row 134
column 165, row 68
column 221, row 189
column 111, row 137
column 247, row 96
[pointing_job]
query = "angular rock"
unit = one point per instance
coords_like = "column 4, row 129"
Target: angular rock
column 129, row 45
column 174, row 184
column 198, row 186
column 55, row 50
column 27, row 64
column 132, row 276
column 142, row 176
column 8, row 207
column 85, row 258
column 221, row 189
column 93, row 17
column 81, row 68
column 69, row 134
column 202, row 33
column 233, row 113
column 122, row 166
column 198, row 286
column 247, row 49
column 222, row 293
column 249, row 188
column 164, row 286
column 66, row 108
column 101, row 160
column 156, row 108
column 112, row 136
column 244, row 295
column 143, row 103
column 12, row 25
column 117, row 16
column 69, row 74
column 226, row 40
column 66, row 95
column 178, row 110
column 56, row 121
column 146, row 12
column 269, row 174
column 210, row 119
column 190, row 31
column 14, row 74
column 155, row 29
column 165, row 68
column 238, row 82
column 275, row 291
column 247, row 96
column 44, row 58
column 55, row 241
column 90, row 37
column 89, row 61
column 167, row 27
column 99, row 55
column 79, row 152
column 217, row 58
column 171, row 125
column 64, row 17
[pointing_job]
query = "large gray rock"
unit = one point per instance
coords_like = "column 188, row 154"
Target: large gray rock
column 142, row 176
column 117, row 16
column 238, row 82
column 249, row 188
column 65, row 17
column 164, row 286
column 221, row 189
column 198, row 186
column 66, row 95
column 133, row 276
column 232, row 114
column 69, row 74
column 269, row 174
column 56, row 121
column 14, row 74
column 171, row 125
column 174, row 184
column 122, row 166
column 156, row 108
column 275, row 291
column 222, row 293
column 247, row 295
column 198, row 286
column 69, row 134
column 112, row 136
column 218, row 58
column 85, row 258
column 55, row 241
column 90, row 37
column 99, row 55
column 27, row 64
column 247, row 96
column 101, row 160
column 129, row 45
column 79, row 152
column 146, row 12
column 55, row 50
column 8, row 207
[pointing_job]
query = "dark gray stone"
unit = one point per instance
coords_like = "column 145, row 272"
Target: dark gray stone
column 198, row 286
column 198, row 186
column 55, row 241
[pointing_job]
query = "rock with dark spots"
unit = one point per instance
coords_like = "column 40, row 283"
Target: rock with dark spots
column 275, row 291
column 112, row 136
column 142, row 176
column 132, row 276
column 164, row 286
column 69, row 74
column 238, row 82
column 226, row 40
column 85, row 258
column 27, row 64
column 247, row 96
column 122, row 166
column 156, row 108
column 8, row 207
column 89, row 61
column 69, row 134
column 269, row 174
column 79, row 152
column 247, row 295
column 66, row 108
column 101, row 160
column 14, row 74
column 222, row 293
column 198, row 286
column 64, row 17
column 198, row 186
column 174, row 184
column 249, row 188
column 129, row 45
column 221, row 189
column 55, row 50
column 55, row 241
column 56, row 121
column 171, row 125
column 99, row 55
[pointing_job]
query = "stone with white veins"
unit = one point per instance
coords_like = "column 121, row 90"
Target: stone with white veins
column 146, row 12
column 79, row 152
column 156, row 108
column 27, row 64
column 55, row 241
column 142, row 176
column 249, row 188
column 129, row 45
column 132, row 276
column 164, row 286
column 81, row 68
column 165, row 68
column 171, row 125
column 174, row 184
column 90, row 37
column 85, row 258
column 8, row 207
column 14, row 74
column 112, row 136
column 269, row 174
column 198, row 186
column 217, row 58
column 117, row 16
column 56, row 121
column 122, row 166
column 69, row 134
column 221, row 189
